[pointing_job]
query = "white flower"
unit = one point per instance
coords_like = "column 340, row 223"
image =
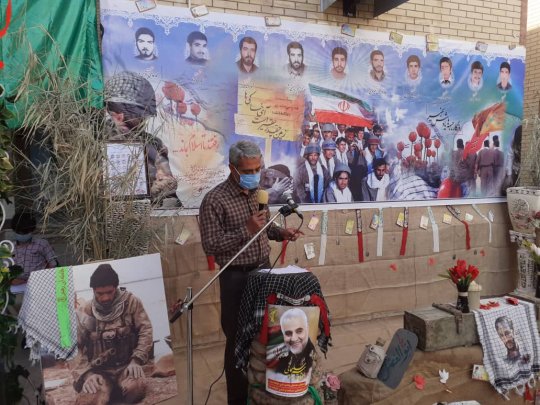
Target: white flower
column 444, row 376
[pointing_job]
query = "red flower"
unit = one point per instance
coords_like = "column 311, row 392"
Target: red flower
column 461, row 274
column 423, row 130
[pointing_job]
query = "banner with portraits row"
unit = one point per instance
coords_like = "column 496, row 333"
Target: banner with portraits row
column 338, row 118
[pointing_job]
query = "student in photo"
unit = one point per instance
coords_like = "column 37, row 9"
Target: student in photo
column 198, row 48
column 248, row 51
column 377, row 66
column 476, row 80
column 338, row 189
column 446, row 76
column 504, row 77
column 414, row 75
column 145, row 43
column 296, row 66
column 339, row 63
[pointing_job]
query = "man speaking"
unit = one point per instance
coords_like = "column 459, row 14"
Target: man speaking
column 229, row 218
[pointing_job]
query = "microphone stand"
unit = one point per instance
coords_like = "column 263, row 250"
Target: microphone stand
column 187, row 304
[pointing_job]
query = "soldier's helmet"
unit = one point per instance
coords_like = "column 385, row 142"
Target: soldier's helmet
column 133, row 89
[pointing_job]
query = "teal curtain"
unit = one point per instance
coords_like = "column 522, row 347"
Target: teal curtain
column 56, row 35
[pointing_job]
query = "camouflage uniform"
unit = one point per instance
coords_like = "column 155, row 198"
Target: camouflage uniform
column 107, row 347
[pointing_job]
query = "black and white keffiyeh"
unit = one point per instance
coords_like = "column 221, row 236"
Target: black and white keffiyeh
column 511, row 345
column 39, row 314
column 259, row 287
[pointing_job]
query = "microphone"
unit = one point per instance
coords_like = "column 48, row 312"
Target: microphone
column 262, row 197
column 291, row 206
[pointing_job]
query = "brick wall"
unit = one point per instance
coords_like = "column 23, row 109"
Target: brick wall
column 495, row 21
column 531, row 105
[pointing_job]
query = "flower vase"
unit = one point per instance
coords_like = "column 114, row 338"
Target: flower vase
column 462, row 303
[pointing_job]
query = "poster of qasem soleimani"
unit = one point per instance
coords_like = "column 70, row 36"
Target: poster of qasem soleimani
column 124, row 353
column 338, row 118
column 290, row 351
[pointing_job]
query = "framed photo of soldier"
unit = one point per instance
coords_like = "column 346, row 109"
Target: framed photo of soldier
column 124, row 353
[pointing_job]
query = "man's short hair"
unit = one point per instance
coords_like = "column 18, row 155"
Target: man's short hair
column 23, row 222
column 375, row 53
column 340, row 139
column 294, row 313
column 477, row 65
column 413, row 58
column 379, row 162
column 195, row 35
column 486, row 143
column 243, row 149
column 504, row 321
column 339, row 51
column 249, row 40
column 296, row 45
column 104, row 276
column 445, row 59
column 144, row 31
column 505, row 65
column 459, row 143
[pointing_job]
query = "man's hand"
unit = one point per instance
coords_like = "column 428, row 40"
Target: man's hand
column 18, row 281
column 291, row 234
column 93, row 384
column 133, row 370
column 281, row 185
column 256, row 222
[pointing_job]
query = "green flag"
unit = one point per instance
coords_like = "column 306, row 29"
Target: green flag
column 55, row 35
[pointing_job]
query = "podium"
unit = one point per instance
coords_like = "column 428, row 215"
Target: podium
column 291, row 286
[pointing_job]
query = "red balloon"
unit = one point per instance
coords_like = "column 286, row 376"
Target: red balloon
column 433, row 153
column 195, row 109
column 181, row 107
column 428, row 143
column 400, row 146
column 410, row 159
column 173, row 92
column 437, row 143
column 423, row 130
column 418, row 147
column 449, row 189
column 418, row 153
column 412, row 136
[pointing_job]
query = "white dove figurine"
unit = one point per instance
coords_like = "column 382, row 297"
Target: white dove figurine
column 444, row 376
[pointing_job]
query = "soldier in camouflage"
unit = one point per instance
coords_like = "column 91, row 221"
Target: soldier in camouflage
column 130, row 101
column 114, row 340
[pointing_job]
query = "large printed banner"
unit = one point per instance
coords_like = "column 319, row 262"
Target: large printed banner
column 339, row 118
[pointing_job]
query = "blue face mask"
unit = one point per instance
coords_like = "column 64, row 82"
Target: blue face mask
column 23, row 237
column 249, row 181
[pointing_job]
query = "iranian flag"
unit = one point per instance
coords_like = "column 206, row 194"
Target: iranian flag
column 340, row 108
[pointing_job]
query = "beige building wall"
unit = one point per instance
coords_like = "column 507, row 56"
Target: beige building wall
column 493, row 21
column 531, row 105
